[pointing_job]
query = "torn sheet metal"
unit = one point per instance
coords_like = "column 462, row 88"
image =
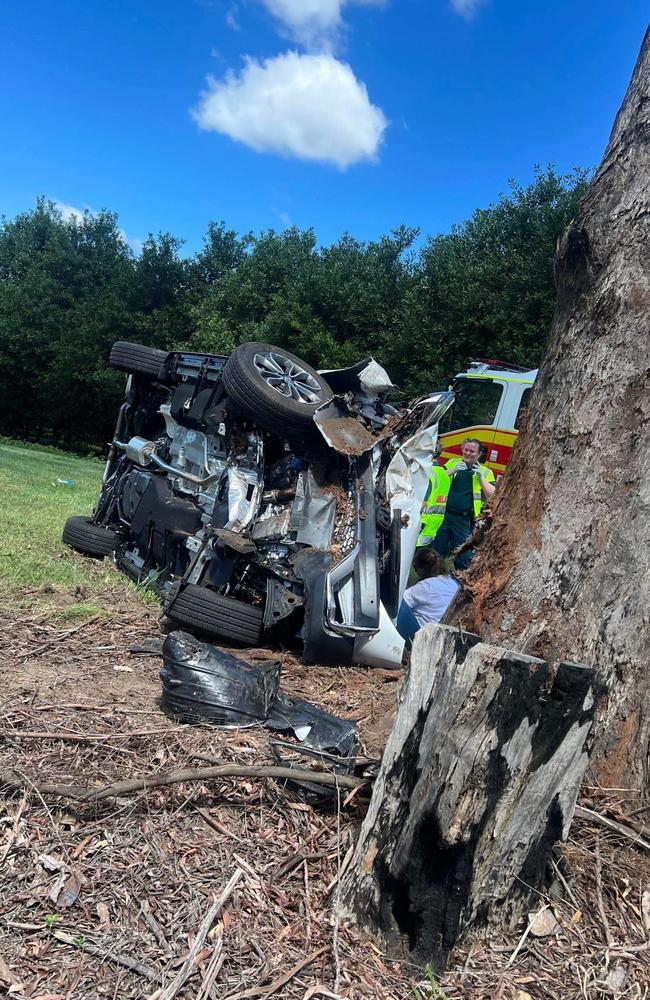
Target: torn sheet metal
column 202, row 682
column 313, row 512
column 352, row 425
column 358, row 417
column 281, row 602
column 246, row 484
column 342, row 430
column 375, row 379
column 366, row 376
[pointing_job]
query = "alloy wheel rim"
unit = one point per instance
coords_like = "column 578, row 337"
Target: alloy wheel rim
column 287, row 377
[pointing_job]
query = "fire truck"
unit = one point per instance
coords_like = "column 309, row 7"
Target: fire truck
column 491, row 397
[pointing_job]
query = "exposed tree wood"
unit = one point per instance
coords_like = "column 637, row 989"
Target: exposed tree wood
column 14, row 779
column 478, row 780
column 565, row 569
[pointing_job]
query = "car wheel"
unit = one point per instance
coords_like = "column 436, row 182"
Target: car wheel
column 90, row 539
column 137, row 359
column 274, row 387
column 215, row 614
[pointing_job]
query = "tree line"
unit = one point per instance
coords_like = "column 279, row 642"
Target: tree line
column 71, row 287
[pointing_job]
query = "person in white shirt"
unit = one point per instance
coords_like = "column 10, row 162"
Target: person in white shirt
column 428, row 599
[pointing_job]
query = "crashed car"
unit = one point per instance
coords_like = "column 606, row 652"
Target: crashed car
column 266, row 500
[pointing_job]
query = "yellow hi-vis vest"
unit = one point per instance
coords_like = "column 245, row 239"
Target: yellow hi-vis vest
column 433, row 509
column 435, row 504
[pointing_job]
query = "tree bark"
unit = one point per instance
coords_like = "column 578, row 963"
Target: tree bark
column 564, row 571
column 478, row 780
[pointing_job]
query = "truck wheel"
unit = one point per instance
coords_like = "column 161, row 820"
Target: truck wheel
column 137, row 359
column 274, row 387
column 90, row 539
column 212, row 613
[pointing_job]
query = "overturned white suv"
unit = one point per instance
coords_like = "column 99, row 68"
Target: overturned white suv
column 265, row 500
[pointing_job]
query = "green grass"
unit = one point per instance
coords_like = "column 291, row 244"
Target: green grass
column 33, row 510
column 432, row 990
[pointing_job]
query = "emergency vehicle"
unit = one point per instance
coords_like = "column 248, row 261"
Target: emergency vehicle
column 491, row 397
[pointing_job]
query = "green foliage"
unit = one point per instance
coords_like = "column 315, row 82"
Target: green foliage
column 486, row 289
column 433, row 991
column 70, row 288
column 51, row 920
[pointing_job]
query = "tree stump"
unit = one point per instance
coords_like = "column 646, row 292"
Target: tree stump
column 478, row 780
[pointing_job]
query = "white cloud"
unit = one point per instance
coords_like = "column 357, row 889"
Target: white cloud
column 466, row 8
column 312, row 23
column 307, row 106
column 79, row 215
column 231, row 19
column 69, row 212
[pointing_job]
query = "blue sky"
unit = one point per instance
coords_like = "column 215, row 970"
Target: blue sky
column 352, row 115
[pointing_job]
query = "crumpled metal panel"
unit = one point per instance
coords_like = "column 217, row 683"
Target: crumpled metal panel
column 367, row 376
column 342, row 430
column 272, row 526
column 313, row 512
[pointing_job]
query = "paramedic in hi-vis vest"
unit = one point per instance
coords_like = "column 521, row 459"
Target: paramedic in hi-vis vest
column 454, row 501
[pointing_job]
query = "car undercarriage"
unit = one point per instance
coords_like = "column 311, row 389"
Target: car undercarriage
column 266, row 501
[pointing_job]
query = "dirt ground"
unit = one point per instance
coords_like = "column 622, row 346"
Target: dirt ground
column 108, row 899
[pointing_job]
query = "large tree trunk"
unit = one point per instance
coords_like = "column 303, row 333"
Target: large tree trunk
column 482, row 767
column 564, row 571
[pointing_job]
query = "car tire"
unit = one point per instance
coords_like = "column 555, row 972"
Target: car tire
column 274, row 387
column 88, row 538
column 206, row 611
column 137, row 359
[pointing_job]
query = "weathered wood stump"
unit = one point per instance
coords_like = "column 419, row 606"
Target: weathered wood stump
column 478, row 780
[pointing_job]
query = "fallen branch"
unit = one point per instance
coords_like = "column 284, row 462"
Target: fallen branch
column 625, row 831
column 11, row 779
column 212, row 971
column 79, row 941
column 17, row 734
column 185, row 970
column 599, row 896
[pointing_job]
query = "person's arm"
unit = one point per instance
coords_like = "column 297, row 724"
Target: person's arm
column 488, row 489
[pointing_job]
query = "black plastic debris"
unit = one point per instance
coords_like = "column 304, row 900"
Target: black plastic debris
column 311, row 726
column 148, row 647
column 204, row 683
column 323, row 796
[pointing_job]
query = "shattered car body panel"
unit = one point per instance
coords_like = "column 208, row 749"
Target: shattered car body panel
column 251, row 522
